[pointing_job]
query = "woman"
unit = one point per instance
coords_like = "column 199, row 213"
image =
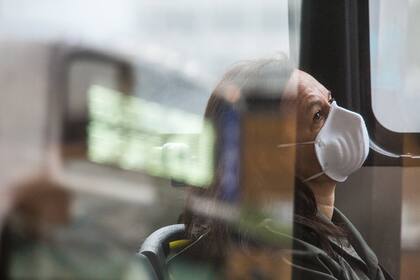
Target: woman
column 328, row 142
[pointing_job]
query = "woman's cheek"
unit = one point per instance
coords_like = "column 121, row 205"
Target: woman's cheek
column 316, row 127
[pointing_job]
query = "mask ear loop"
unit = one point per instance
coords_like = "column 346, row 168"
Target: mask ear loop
column 319, row 174
column 286, row 145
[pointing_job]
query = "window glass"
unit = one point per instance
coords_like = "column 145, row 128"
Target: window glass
column 125, row 85
column 395, row 63
column 202, row 40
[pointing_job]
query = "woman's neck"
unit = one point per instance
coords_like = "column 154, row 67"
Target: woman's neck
column 324, row 192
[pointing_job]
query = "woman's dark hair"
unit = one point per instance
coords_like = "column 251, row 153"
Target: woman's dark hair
column 268, row 78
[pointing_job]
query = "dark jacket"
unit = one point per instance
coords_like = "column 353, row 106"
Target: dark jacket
column 355, row 261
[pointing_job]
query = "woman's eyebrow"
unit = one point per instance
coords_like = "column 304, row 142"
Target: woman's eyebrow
column 312, row 103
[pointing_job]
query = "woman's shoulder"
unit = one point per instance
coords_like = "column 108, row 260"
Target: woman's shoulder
column 303, row 254
column 356, row 240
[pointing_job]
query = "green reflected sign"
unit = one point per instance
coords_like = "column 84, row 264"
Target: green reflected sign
column 135, row 134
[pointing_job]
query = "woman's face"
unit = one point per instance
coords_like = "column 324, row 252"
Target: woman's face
column 311, row 100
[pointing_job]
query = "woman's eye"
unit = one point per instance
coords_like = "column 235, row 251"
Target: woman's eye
column 317, row 116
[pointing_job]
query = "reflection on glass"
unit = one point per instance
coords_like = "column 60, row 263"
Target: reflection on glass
column 139, row 135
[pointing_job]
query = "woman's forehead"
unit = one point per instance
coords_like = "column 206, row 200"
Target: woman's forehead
column 301, row 84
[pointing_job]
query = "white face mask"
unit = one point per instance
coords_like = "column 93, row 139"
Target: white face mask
column 342, row 144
